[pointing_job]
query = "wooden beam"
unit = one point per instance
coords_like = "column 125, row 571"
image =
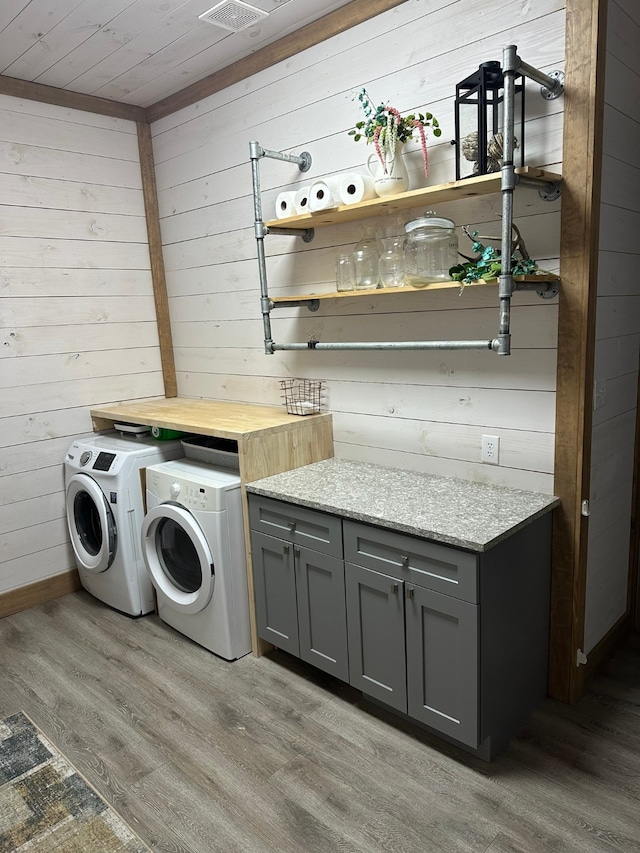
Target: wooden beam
column 579, row 236
column 324, row 28
column 72, row 100
column 147, row 168
column 39, row 592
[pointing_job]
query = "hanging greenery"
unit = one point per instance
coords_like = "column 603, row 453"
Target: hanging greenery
column 488, row 264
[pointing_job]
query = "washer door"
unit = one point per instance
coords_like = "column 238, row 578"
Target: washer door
column 178, row 557
column 92, row 526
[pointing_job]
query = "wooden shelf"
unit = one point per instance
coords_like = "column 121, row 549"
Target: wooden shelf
column 452, row 191
column 541, row 280
column 203, row 417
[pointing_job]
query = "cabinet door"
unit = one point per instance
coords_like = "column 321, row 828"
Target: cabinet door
column 442, row 662
column 322, row 612
column 275, row 592
column 375, row 623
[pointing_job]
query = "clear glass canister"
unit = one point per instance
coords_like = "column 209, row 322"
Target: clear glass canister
column 431, row 249
column 392, row 262
column 365, row 258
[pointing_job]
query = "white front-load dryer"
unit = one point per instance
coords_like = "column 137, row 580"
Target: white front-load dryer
column 193, row 547
column 105, row 509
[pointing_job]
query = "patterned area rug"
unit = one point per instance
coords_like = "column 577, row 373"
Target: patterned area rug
column 46, row 806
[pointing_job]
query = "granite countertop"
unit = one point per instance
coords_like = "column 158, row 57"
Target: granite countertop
column 475, row 516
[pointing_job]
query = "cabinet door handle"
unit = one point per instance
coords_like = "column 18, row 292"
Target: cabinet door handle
column 409, row 592
column 286, row 550
column 296, row 553
column 394, row 589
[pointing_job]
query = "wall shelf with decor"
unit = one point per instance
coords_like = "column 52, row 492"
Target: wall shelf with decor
column 545, row 284
column 504, row 181
column 546, row 183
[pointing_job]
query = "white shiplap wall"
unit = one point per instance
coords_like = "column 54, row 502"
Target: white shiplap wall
column 617, row 330
column 77, row 319
column 423, row 411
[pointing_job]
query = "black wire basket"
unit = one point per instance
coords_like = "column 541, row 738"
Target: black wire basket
column 302, row 396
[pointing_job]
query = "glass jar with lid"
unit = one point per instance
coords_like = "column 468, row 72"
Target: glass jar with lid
column 431, row 249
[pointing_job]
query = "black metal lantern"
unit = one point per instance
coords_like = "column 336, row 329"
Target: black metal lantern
column 478, row 121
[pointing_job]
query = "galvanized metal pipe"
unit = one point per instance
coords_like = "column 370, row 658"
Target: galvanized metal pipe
column 259, row 228
column 390, row 345
column 302, row 161
column 553, row 85
column 510, row 63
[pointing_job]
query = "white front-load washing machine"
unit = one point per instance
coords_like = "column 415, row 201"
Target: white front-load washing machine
column 105, row 509
column 193, row 547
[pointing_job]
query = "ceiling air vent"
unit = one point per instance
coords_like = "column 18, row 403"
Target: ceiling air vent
column 233, row 15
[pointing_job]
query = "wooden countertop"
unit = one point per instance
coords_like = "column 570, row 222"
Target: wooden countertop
column 204, row 417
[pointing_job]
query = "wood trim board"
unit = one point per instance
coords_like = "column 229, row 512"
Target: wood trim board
column 582, row 163
column 72, row 100
column 154, row 236
column 39, row 592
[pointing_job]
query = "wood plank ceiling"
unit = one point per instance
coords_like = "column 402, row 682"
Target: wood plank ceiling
column 136, row 51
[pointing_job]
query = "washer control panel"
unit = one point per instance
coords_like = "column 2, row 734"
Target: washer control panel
column 85, row 458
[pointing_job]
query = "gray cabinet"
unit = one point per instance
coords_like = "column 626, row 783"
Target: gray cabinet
column 456, row 641
column 410, row 646
column 299, row 591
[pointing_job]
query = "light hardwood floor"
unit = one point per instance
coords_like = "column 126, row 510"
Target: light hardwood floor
column 268, row 756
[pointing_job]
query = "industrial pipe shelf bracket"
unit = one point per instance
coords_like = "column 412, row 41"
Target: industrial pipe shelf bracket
column 550, row 191
column 547, row 190
column 556, row 87
column 551, row 85
column 303, row 160
column 311, row 303
column 307, row 234
column 545, row 290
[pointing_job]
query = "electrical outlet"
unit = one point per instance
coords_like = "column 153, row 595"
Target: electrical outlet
column 490, row 449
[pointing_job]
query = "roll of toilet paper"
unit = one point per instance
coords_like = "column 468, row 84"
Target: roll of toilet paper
column 325, row 194
column 355, row 187
column 301, row 200
column 285, row 205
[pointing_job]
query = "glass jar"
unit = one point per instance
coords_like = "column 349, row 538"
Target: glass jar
column 345, row 273
column 365, row 258
column 392, row 262
column 431, row 249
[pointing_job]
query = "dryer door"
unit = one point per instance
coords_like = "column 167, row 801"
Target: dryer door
column 92, row 526
column 178, row 557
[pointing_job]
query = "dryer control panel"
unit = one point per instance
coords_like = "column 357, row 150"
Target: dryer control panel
column 196, row 487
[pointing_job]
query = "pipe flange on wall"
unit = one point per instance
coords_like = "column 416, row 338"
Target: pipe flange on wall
column 555, row 90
